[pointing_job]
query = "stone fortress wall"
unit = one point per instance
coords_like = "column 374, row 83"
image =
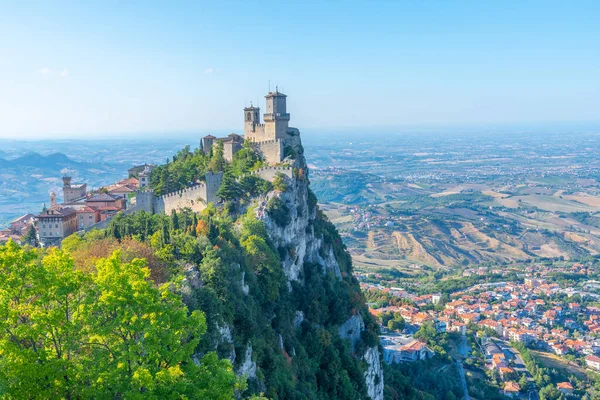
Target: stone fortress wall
column 268, row 173
column 198, row 196
column 195, row 197
column 255, row 132
column 269, row 149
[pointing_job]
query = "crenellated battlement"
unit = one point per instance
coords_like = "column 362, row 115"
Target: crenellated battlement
column 273, row 168
column 182, row 192
column 268, row 173
column 265, row 142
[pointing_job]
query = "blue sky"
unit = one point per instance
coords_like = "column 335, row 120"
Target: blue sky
column 145, row 68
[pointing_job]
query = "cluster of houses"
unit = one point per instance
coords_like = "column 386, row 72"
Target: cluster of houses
column 79, row 210
column 365, row 219
column 535, row 312
column 18, row 228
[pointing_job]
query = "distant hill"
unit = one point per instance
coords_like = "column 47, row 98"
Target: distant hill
column 37, row 160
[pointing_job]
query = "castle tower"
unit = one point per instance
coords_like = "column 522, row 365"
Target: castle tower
column 276, row 117
column 52, row 199
column 73, row 192
column 213, row 184
column 251, row 120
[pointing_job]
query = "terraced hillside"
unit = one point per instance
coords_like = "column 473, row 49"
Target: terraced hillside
column 453, row 204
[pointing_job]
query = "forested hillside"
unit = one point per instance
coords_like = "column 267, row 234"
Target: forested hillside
column 253, row 296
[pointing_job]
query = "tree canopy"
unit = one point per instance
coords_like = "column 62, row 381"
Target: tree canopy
column 65, row 333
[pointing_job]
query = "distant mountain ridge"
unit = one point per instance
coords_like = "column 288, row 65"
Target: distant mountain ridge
column 36, row 160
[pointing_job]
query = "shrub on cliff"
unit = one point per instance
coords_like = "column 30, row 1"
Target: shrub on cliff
column 278, row 211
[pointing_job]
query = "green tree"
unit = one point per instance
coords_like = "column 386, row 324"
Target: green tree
column 278, row 211
column 143, row 337
column 230, row 189
column 30, row 237
column 244, row 160
column 217, row 161
column 549, row 392
column 40, row 324
column 266, row 264
column 113, row 334
column 174, row 220
column 523, row 383
column 396, row 324
column 279, row 182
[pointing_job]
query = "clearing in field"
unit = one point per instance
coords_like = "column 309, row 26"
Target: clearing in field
column 553, row 361
column 495, row 195
column 553, row 204
column 592, row 201
column 448, row 192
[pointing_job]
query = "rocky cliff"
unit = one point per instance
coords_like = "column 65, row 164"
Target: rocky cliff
column 300, row 329
column 308, row 246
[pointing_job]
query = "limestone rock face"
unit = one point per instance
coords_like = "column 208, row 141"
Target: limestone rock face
column 298, row 319
column 352, row 328
column 298, row 236
column 225, row 336
column 248, row 367
column 374, row 374
column 298, row 244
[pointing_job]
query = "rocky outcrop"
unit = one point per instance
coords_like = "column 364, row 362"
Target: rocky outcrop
column 248, row 367
column 225, row 336
column 352, row 329
column 298, row 244
column 245, row 287
column 374, row 374
column 298, row 236
column 298, row 319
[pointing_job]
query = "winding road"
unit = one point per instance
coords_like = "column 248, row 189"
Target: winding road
column 463, row 350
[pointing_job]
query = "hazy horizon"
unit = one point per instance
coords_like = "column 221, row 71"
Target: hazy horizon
column 566, row 127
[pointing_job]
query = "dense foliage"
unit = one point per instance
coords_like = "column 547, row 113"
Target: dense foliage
column 314, row 361
column 188, row 166
column 113, row 333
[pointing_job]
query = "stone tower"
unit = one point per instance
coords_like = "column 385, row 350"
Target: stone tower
column 73, row 192
column 213, row 183
column 52, row 199
column 276, row 117
column 251, row 118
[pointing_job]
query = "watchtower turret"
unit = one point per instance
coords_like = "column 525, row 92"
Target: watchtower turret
column 276, row 116
column 66, row 181
column 251, row 119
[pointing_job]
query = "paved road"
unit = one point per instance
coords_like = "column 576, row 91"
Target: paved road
column 463, row 350
column 463, row 380
column 519, row 366
column 464, row 347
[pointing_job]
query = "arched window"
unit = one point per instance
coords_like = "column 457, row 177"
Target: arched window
column 249, row 117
